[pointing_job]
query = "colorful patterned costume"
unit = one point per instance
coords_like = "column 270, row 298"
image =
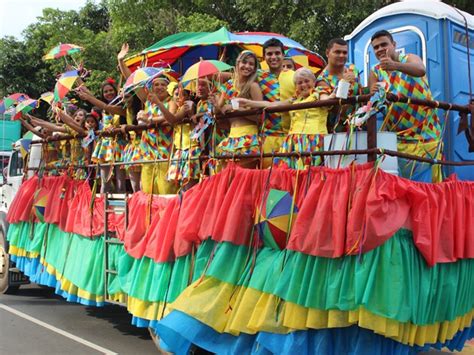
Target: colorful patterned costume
column 184, row 164
column 77, row 154
column 132, row 152
column 332, row 81
column 418, row 127
column 275, row 126
column 217, row 134
column 156, row 144
column 109, row 149
column 243, row 139
column 306, row 134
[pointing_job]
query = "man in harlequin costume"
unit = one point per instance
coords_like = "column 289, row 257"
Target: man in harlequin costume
column 418, row 127
column 339, row 69
column 276, row 85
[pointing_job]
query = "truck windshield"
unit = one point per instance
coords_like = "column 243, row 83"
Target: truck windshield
column 16, row 165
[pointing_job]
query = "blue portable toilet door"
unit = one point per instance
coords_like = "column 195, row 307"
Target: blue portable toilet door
column 409, row 39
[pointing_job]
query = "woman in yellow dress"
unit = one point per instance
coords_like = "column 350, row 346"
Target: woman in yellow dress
column 308, row 126
column 243, row 135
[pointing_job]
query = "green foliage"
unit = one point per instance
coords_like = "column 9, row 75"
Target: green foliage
column 20, row 71
column 140, row 23
column 198, row 22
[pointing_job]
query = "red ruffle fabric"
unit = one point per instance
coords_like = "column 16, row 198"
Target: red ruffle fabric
column 20, row 208
column 341, row 212
column 144, row 214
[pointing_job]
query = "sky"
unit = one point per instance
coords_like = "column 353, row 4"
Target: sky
column 16, row 15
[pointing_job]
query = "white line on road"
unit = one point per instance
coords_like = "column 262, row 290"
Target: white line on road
column 57, row 330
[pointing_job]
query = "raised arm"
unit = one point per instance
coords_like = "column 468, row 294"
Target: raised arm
column 126, row 72
column 32, row 129
column 84, row 94
column 48, row 125
column 168, row 113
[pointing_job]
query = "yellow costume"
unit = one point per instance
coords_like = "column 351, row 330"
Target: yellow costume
column 306, row 134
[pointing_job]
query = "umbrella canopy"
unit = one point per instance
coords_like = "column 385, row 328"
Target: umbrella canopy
column 11, row 100
column 142, row 77
column 47, row 97
column 62, row 50
column 24, row 147
column 39, row 204
column 65, row 84
column 25, row 107
column 204, row 68
column 273, row 221
column 182, row 50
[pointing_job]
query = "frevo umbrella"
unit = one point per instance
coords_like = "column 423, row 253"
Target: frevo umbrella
column 61, row 50
column 142, row 77
column 204, row 68
column 64, row 84
column 12, row 100
column 273, row 218
column 25, row 107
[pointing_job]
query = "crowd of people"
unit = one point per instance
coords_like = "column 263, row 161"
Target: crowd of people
column 188, row 121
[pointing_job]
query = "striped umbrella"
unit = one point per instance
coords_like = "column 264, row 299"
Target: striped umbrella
column 65, row 84
column 274, row 221
column 142, row 77
column 25, row 107
column 203, row 69
column 12, row 100
column 61, row 50
column 47, row 97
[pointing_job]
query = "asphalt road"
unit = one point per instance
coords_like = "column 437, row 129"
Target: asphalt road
column 36, row 321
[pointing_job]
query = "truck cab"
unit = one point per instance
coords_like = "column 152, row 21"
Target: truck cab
column 13, row 172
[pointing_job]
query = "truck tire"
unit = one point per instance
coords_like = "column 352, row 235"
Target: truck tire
column 5, row 286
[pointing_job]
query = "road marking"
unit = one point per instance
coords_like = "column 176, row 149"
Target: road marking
column 57, row 330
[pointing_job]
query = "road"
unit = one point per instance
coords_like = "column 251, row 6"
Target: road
column 36, row 321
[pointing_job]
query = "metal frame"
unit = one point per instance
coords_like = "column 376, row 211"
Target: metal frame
column 116, row 203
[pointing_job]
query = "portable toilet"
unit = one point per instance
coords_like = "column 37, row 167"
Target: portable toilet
column 436, row 32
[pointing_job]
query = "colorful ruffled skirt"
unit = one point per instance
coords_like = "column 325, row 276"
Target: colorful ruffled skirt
column 185, row 164
column 242, row 140
column 301, row 143
column 132, row 153
column 109, row 149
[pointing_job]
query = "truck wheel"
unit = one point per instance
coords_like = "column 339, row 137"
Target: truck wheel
column 4, row 266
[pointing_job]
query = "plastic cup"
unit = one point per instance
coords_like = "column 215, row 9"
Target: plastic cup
column 343, row 89
column 235, row 104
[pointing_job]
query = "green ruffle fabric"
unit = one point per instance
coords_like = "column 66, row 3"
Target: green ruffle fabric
column 147, row 280
column 78, row 259
column 392, row 280
column 27, row 236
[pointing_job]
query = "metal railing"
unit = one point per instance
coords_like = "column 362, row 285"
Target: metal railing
column 372, row 151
